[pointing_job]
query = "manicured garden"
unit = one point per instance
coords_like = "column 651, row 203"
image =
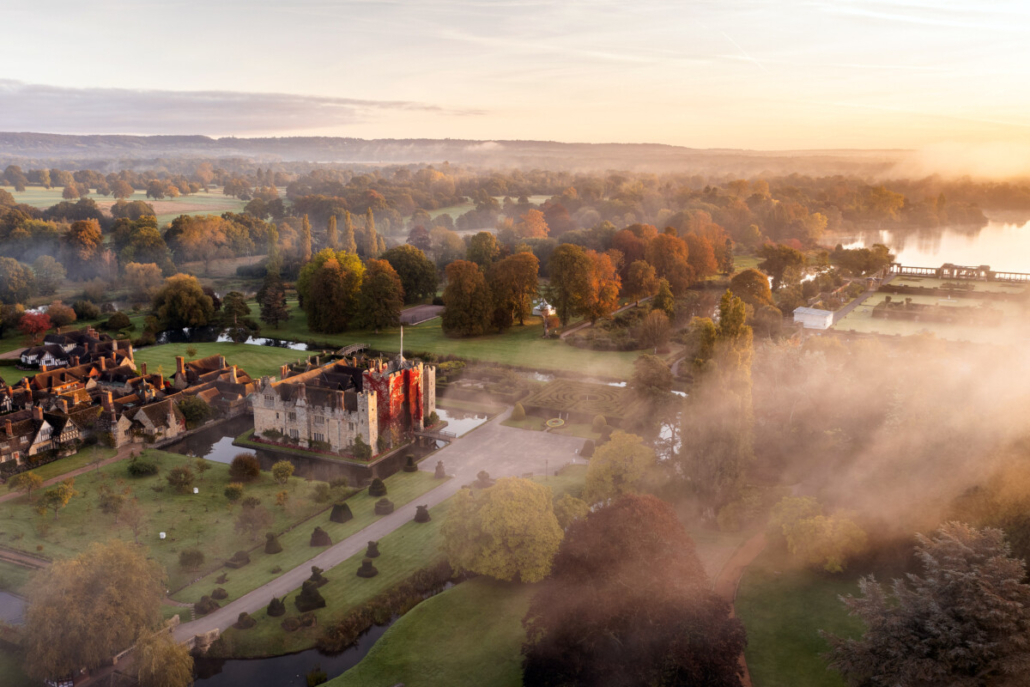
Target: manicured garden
column 784, row 608
column 581, row 399
column 402, row 488
column 255, row 360
column 469, row 635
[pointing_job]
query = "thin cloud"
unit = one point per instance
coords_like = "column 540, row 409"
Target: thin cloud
column 36, row 107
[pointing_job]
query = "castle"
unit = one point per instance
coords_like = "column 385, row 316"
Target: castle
column 329, row 407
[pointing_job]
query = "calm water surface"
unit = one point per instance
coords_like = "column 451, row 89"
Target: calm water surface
column 12, row 608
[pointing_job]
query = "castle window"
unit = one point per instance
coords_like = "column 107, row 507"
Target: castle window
column 295, row 434
column 318, row 436
column 292, row 417
column 269, row 400
column 319, row 420
column 350, row 425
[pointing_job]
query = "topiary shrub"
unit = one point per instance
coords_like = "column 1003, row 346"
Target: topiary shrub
column 320, row 538
column 361, row 450
column 384, row 507
column 308, row 619
column 321, row 493
column 519, row 413
column 422, row 514
column 367, row 569
column 238, row 560
column 205, row 605
column 317, row 577
column 309, row 598
column 588, row 448
column 191, row 559
column 219, row 594
column 373, row 550
column 409, row 464
column 439, row 474
column 272, row 544
column 141, row 466
column 244, row 468
column 276, row 608
column 118, row 320
column 341, row 513
column 222, row 579
column 599, row 424
column 377, row 488
column 244, row 622
column 483, row 480
column 290, row 624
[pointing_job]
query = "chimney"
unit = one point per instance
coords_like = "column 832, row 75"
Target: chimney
column 221, row 362
column 144, row 369
column 42, row 367
column 103, row 363
column 9, row 429
column 64, row 405
column 114, row 345
column 37, row 413
column 180, row 365
column 107, row 400
column 58, row 330
column 282, row 372
column 74, row 361
column 232, row 375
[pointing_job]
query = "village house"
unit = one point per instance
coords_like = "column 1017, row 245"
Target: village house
column 331, row 406
column 74, row 348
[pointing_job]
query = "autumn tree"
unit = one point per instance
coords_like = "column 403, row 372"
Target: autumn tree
column 372, row 245
column 347, row 242
column 82, row 246
column 305, row 239
column 603, row 285
column 32, row 324
column 282, row 471
column 235, row 307
column 419, row 238
column 508, row 531
column 701, row 256
column 669, row 256
column 181, row 302
column 752, row 287
column 49, row 274
column 513, row 284
column 654, row 331
column 162, row 662
column 778, row 259
column 617, row 467
column 964, row 621
column 17, row 281
column 84, row 610
column 628, row 603
column 252, row 520
column 640, row 282
column 26, row 482
column 468, row 304
column 332, row 236
column 272, row 301
column 483, row 250
column 381, row 298
column 570, row 270
column 143, row 280
column 417, row 272
column 330, row 286
column 532, row 225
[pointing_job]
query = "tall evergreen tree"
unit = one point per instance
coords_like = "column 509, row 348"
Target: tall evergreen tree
column 272, row 299
column 274, row 260
column 305, row 239
column 332, row 239
column 347, row 241
column 371, row 237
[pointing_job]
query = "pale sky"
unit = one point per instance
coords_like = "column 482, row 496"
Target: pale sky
column 778, row 74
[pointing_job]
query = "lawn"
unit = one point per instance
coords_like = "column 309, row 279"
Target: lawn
column 256, row 360
column 403, row 551
column 201, row 521
column 572, row 429
column 861, row 320
column 65, row 465
column 584, row 399
column 522, row 346
column 402, row 488
column 11, row 674
column 469, row 635
column 783, row 609
column 14, row 578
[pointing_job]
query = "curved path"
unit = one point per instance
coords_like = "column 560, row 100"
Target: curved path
column 501, row 451
column 122, row 454
column 728, row 581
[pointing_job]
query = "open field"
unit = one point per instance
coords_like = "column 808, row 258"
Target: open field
column 202, row 521
column 14, row 578
column 63, row 466
column 256, row 360
column 523, row 346
column 783, row 609
column 471, row 634
column 202, row 203
column 11, row 674
column 403, row 487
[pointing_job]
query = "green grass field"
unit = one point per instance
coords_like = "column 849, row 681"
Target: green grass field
column 402, row 488
column 256, row 360
column 783, row 609
column 201, row 521
column 523, row 346
column 11, row 674
column 15, row 578
column 469, row 635
column 73, row 462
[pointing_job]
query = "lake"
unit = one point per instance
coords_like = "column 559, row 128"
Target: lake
column 1003, row 245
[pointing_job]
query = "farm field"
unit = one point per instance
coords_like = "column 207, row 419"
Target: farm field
column 522, row 346
column 202, row 203
column 783, row 609
column 471, row 634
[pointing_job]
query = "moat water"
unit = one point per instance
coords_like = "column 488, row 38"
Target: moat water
column 12, row 608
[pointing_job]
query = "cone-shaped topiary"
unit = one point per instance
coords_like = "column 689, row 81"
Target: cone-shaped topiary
column 588, row 448
column 219, row 594
column 272, row 544
column 519, row 413
column 373, row 550
column 599, row 424
column 238, row 560
column 377, row 488
column 409, row 465
column 422, row 514
column 205, row 605
column 276, row 608
column 244, row 622
column 320, row 538
column 317, row 577
column 341, row 513
column 384, row 507
column 483, row 480
column 309, row 598
column 439, row 474
column 367, row 569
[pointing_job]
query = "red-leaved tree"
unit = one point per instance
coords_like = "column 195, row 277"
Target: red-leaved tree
column 628, row 603
column 33, row 324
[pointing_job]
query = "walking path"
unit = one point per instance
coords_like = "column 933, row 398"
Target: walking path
column 122, row 454
column 501, row 451
column 588, row 323
column 728, row 581
column 11, row 355
column 843, row 312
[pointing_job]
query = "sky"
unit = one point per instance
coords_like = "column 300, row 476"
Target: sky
column 766, row 75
